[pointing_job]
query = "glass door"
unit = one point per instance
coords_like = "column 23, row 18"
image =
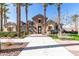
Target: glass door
column 39, row 29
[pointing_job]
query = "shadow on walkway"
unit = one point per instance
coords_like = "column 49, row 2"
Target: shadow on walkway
column 40, row 47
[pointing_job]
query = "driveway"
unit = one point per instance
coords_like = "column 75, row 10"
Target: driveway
column 41, row 45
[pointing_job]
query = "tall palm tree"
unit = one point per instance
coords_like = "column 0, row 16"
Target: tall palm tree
column 74, row 19
column 27, row 24
column 45, row 6
column 5, row 11
column 59, row 25
column 26, row 7
column 18, row 19
column 44, row 17
column 26, row 10
column 1, row 14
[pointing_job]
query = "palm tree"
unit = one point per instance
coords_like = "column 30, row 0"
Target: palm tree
column 26, row 9
column 5, row 11
column 59, row 25
column 45, row 6
column 74, row 19
column 18, row 19
column 27, row 24
column 26, row 5
column 44, row 17
column 1, row 14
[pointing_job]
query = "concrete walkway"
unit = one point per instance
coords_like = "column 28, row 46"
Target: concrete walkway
column 41, row 45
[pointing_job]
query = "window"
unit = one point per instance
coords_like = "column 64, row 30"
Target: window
column 10, row 29
column 50, row 27
column 39, row 21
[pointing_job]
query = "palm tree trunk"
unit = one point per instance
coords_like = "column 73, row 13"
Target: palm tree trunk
column 5, row 19
column 1, row 18
column 59, row 25
column 18, row 19
column 27, row 29
column 44, row 18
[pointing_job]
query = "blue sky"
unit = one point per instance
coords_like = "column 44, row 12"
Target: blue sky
column 51, row 13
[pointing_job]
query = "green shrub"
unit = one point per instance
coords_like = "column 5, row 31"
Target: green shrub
column 26, row 33
column 4, row 34
column 8, row 34
column 12, row 34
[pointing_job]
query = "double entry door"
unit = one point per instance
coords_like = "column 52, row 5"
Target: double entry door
column 39, row 29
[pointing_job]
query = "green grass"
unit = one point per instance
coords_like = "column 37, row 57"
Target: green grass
column 11, row 35
column 54, row 36
column 74, row 36
column 8, row 34
column 68, row 37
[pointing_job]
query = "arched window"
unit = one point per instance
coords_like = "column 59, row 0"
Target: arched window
column 39, row 21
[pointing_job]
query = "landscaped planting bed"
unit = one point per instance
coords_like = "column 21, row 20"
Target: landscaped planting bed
column 4, row 35
column 8, row 34
column 12, row 49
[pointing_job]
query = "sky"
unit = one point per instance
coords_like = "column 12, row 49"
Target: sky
column 67, row 10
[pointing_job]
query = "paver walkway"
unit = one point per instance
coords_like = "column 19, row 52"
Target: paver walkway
column 41, row 45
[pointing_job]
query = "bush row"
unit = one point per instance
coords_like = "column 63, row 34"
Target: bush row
column 8, row 34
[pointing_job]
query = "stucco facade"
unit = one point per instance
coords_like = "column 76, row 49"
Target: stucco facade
column 49, row 27
column 9, row 27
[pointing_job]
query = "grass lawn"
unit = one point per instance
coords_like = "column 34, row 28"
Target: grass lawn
column 74, row 36
column 68, row 37
column 54, row 36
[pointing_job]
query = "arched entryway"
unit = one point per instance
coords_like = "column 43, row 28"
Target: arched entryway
column 38, row 24
column 39, row 29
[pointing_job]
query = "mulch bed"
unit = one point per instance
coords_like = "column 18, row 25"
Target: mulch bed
column 12, row 50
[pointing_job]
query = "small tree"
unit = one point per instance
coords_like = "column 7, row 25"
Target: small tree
column 74, row 19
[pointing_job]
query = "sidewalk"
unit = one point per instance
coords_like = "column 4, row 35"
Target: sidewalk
column 41, row 45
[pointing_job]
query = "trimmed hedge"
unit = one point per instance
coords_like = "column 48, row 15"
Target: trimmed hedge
column 12, row 35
